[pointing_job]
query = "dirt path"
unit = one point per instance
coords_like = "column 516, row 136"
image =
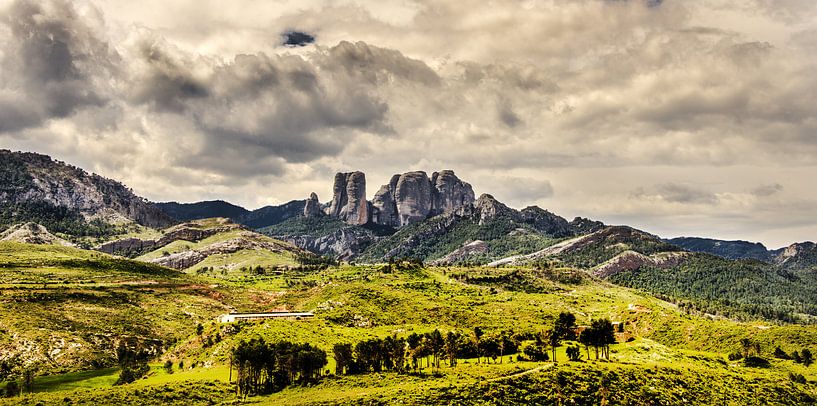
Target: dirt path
column 523, row 373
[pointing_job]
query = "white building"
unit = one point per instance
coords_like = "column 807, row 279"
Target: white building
column 232, row 317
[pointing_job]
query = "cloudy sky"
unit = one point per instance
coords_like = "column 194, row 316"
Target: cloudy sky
column 678, row 117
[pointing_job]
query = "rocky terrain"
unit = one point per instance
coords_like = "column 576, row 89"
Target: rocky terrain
column 132, row 247
column 34, row 187
column 32, row 233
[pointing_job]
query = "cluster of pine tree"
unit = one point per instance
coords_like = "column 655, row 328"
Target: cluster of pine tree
column 264, row 368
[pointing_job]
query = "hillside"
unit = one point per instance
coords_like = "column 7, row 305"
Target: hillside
column 66, row 309
column 202, row 210
column 446, row 238
column 365, row 302
column 68, row 200
column 725, row 249
column 216, row 246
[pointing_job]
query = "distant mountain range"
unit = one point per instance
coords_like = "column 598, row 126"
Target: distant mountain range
column 437, row 219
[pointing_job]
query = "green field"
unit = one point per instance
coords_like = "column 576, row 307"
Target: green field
column 664, row 356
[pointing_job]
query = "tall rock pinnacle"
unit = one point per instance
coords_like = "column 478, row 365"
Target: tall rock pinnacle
column 349, row 198
column 312, row 208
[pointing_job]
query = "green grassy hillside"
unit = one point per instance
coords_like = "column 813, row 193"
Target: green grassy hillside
column 664, row 355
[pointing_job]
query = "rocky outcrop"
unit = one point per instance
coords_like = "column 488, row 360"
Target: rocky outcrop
column 630, row 261
column 463, row 253
column 450, row 193
column 413, row 197
column 349, row 198
column 342, row 244
column 37, row 179
column 186, row 259
column 797, row 257
column 131, row 247
column 312, row 208
column 32, row 233
column 384, row 207
column 486, row 208
column 546, row 222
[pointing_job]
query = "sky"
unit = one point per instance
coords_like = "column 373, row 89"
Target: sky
column 682, row 118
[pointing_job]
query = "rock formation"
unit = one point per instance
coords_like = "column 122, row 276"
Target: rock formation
column 451, row 193
column 413, row 197
column 349, row 198
column 384, row 208
column 32, row 233
column 313, row 206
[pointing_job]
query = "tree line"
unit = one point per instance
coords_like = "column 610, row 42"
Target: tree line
column 263, row 368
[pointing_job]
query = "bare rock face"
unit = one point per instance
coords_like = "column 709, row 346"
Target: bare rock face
column 349, row 198
column 413, row 197
column 451, row 193
column 488, row 208
column 384, row 208
column 312, row 208
column 32, row 233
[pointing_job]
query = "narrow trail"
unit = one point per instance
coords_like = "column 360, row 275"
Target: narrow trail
column 523, row 373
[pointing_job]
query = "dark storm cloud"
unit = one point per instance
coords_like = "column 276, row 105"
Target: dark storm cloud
column 166, row 82
column 378, row 65
column 51, row 64
column 507, row 115
column 287, row 107
column 297, row 39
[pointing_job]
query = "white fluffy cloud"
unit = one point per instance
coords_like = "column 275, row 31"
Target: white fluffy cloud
column 678, row 117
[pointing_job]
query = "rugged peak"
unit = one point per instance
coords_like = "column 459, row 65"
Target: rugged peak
column 413, row 196
column 349, row 198
column 546, row 222
column 451, row 193
column 488, row 208
column 312, row 208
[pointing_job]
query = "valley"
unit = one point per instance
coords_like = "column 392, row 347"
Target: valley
column 425, row 295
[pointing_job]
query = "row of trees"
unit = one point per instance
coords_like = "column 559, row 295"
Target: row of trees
column 264, row 368
column 434, row 348
column 402, row 354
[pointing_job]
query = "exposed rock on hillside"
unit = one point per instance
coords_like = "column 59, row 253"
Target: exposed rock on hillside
column 245, row 241
column 450, row 193
column 349, row 198
column 463, row 253
column 631, row 261
column 192, row 232
column 312, row 208
column 606, row 241
column 343, row 244
column 798, row 256
column 413, row 197
column 32, row 233
column 546, row 222
column 27, row 179
column 486, row 208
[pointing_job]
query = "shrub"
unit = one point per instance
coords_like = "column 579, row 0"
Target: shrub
column 756, row 362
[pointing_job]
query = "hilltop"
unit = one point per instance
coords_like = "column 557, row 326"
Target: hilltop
column 68, row 200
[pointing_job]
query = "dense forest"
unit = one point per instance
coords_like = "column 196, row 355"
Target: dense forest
column 744, row 289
